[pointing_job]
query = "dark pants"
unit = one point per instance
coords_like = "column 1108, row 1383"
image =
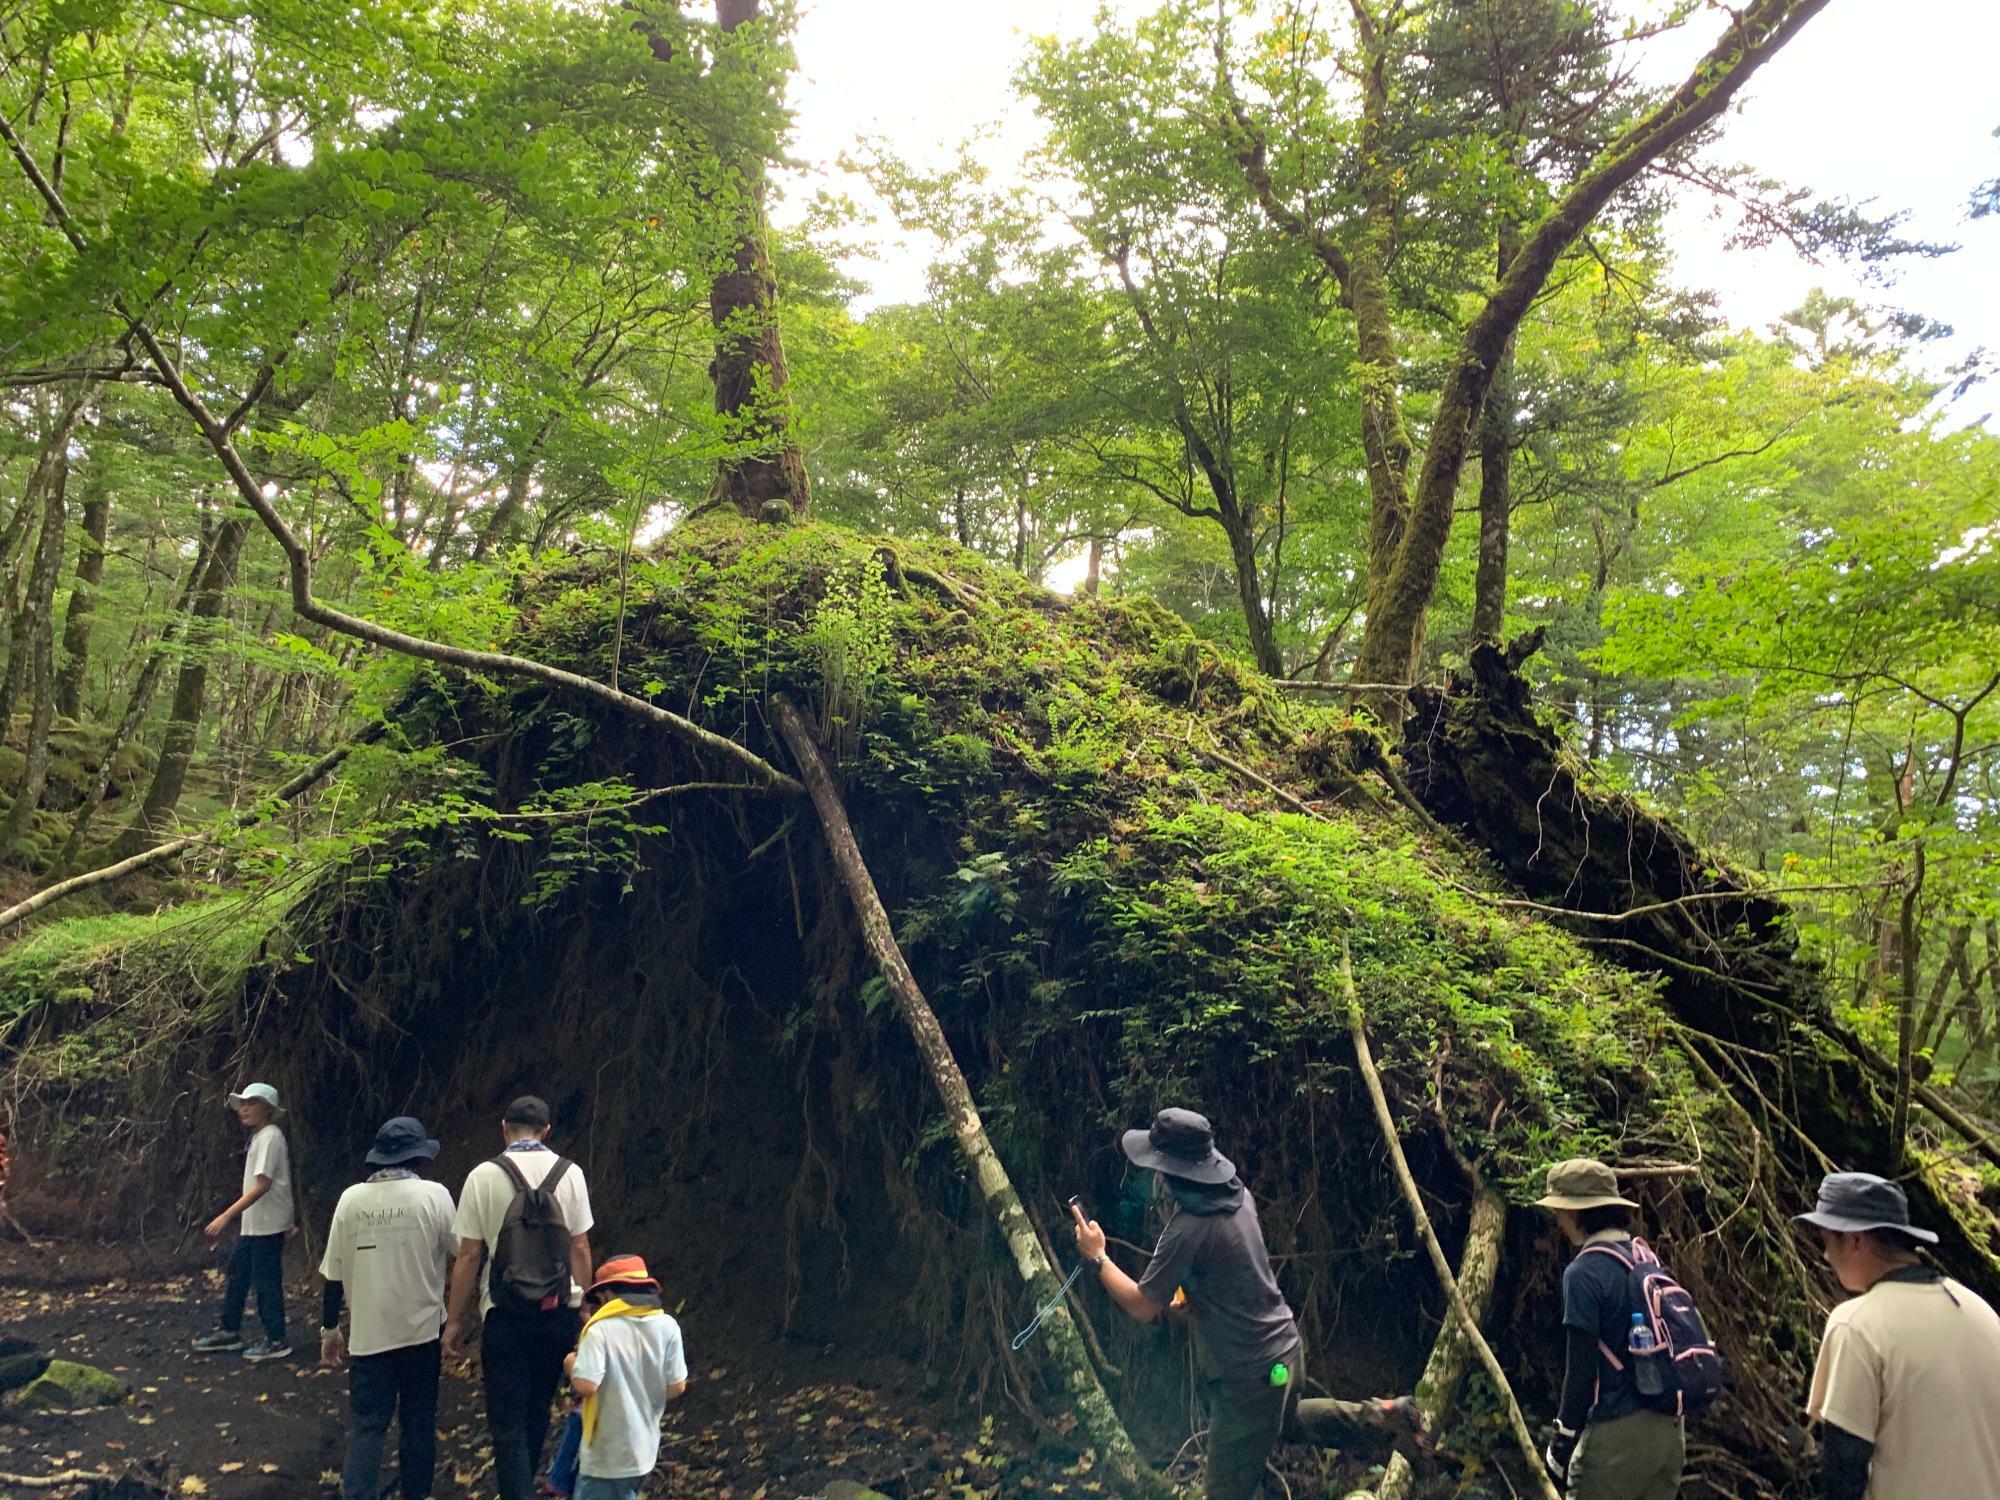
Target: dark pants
column 1248, row 1417
column 1638, row 1457
column 522, row 1355
column 258, row 1264
column 377, row 1385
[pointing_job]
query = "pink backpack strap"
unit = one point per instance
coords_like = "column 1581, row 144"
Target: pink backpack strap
column 1610, row 1250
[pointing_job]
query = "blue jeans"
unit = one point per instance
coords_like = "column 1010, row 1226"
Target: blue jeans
column 377, row 1384
column 257, row 1264
column 589, row 1487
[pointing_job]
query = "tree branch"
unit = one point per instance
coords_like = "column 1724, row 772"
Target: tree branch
column 218, row 436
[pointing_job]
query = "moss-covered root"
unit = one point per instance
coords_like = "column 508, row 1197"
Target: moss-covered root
column 1100, row 1421
column 1444, row 1371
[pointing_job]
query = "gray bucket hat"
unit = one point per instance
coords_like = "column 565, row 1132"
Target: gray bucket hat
column 1855, row 1202
column 1581, row 1183
column 1180, row 1143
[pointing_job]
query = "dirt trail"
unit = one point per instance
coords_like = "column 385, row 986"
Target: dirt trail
column 776, row 1427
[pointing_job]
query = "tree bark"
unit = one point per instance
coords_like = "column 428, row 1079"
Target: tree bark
column 33, row 649
column 163, row 795
column 1093, row 572
column 765, row 463
column 83, row 600
column 1065, row 1344
column 1496, row 477
column 1250, row 592
column 1392, row 646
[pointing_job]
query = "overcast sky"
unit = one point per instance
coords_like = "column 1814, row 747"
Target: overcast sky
column 1890, row 100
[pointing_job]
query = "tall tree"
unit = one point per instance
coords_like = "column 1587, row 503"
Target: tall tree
column 1413, row 522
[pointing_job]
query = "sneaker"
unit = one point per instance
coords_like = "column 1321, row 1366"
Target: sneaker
column 219, row 1342
column 262, row 1351
column 1405, row 1420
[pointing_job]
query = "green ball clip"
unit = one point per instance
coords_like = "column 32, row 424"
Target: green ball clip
column 1280, row 1375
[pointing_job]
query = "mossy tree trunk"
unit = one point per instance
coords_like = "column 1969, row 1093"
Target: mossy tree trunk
column 1496, row 477
column 31, row 651
column 1065, row 1344
column 1444, row 1372
column 765, row 465
column 163, row 794
column 83, row 599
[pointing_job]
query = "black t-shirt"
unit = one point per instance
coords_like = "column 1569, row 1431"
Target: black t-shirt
column 1597, row 1299
column 1241, row 1322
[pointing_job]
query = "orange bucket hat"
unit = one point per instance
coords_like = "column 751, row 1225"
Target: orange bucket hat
column 627, row 1271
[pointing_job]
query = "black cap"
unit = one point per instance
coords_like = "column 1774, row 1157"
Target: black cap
column 527, row 1110
column 1854, row 1202
column 1181, row 1143
column 399, row 1140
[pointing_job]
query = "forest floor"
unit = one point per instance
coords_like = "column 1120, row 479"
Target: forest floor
column 779, row 1423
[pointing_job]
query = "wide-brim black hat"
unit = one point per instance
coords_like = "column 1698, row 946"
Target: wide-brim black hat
column 1180, row 1143
column 1856, row 1202
column 399, row 1140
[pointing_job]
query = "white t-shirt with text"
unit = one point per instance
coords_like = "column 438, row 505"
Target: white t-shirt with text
column 390, row 1247
column 268, row 1156
column 483, row 1203
column 633, row 1361
column 1914, row 1368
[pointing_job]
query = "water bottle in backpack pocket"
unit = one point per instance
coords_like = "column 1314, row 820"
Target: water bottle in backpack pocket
column 1647, row 1358
column 1675, row 1365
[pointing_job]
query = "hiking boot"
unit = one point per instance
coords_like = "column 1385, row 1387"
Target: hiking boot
column 263, row 1350
column 222, row 1341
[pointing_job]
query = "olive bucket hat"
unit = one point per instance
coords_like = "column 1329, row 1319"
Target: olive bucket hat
column 1581, row 1183
column 1180, row 1143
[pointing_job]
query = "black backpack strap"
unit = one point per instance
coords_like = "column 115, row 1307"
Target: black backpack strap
column 548, row 1183
column 506, row 1164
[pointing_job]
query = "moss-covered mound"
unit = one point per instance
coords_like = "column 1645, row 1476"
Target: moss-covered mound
column 1124, row 871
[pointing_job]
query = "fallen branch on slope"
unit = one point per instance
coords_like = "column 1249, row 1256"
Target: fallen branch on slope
column 1098, row 1417
column 297, row 786
column 1467, row 1318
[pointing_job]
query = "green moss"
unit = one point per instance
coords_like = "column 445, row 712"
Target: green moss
column 183, row 960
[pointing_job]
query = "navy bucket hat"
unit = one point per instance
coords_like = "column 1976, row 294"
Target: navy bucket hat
column 399, row 1140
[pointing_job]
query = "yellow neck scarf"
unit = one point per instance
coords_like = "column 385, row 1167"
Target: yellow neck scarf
column 617, row 1307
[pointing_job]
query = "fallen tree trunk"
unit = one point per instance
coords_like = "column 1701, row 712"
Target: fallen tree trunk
column 1066, row 1347
column 1468, row 1317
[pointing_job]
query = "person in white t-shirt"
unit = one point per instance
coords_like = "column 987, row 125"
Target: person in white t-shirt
column 263, row 1216
column 387, row 1255
column 522, row 1340
column 628, row 1365
column 1907, row 1384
